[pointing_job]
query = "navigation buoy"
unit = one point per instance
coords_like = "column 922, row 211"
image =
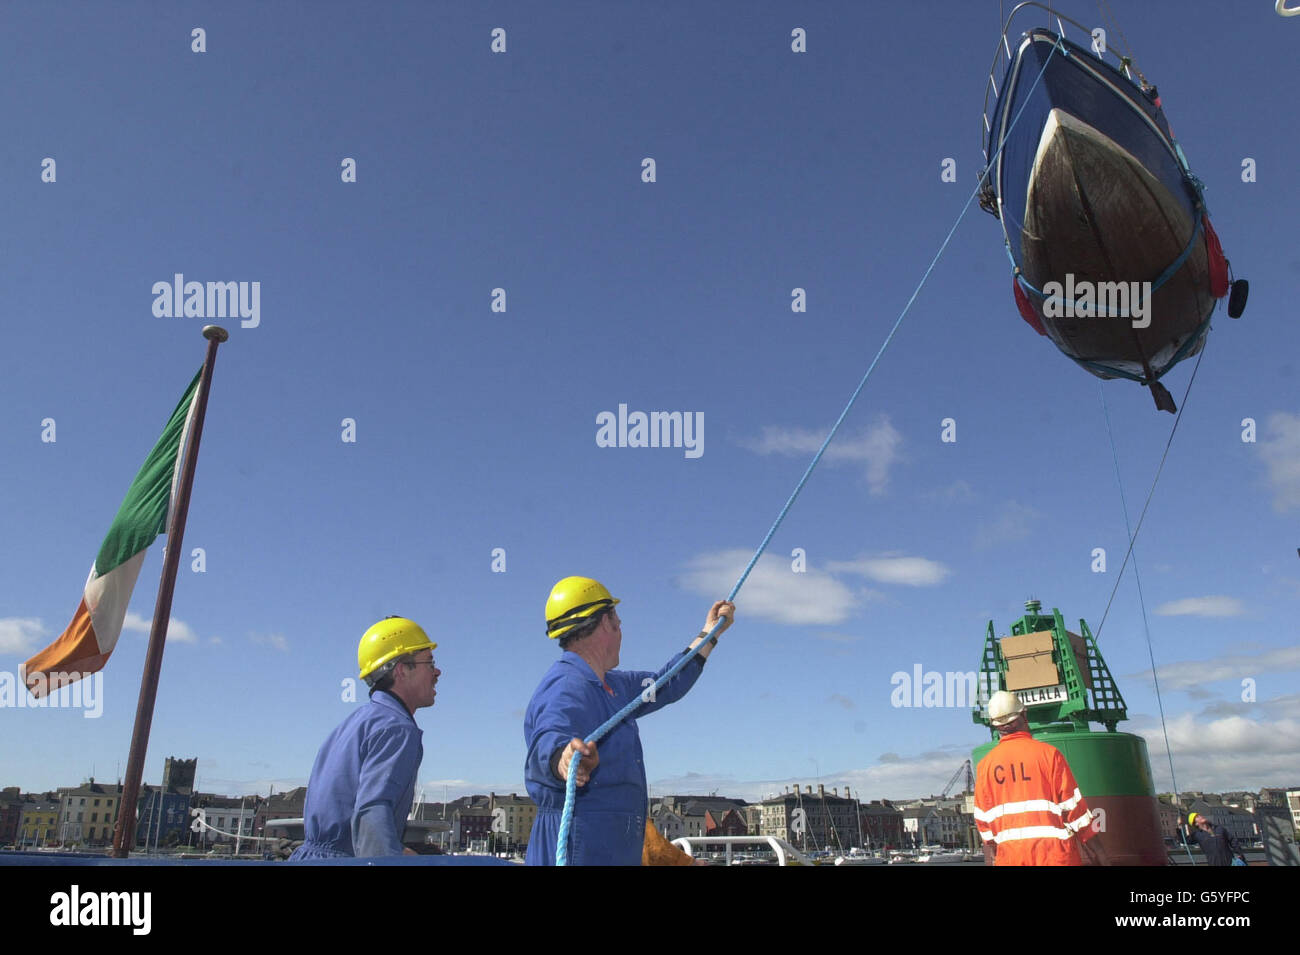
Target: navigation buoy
column 1066, row 686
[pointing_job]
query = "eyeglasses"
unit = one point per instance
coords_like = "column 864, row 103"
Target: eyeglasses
column 416, row 663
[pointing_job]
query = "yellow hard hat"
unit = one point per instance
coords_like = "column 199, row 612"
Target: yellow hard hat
column 390, row 638
column 572, row 601
column 1191, row 818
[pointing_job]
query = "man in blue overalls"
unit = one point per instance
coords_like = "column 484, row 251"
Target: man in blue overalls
column 579, row 693
column 364, row 777
column 1215, row 841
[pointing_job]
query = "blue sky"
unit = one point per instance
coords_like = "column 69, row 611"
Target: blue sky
column 476, row 429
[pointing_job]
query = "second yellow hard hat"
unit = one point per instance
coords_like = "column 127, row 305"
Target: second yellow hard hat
column 573, row 600
column 390, row 638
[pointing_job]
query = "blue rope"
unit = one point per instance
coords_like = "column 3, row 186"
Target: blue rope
column 1179, row 355
column 571, row 784
column 1182, row 406
column 1159, row 281
column 1177, row 264
column 1199, row 212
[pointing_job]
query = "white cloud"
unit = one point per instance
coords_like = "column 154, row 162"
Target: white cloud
column 911, row 571
column 178, row 631
column 1276, row 708
column 1228, row 752
column 877, row 447
column 1203, row 607
column 1280, row 450
column 1232, row 735
column 1194, row 674
column 21, row 635
column 892, row 777
column 275, row 640
column 704, row 784
column 1015, row 522
column 958, row 492
column 1212, row 754
column 898, row 777
column 773, row 591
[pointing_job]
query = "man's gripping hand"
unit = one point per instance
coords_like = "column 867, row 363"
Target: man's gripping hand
column 722, row 607
column 586, row 766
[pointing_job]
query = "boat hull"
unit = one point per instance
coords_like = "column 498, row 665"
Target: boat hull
column 1093, row 196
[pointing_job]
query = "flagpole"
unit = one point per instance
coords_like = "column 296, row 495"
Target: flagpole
column 124, row 831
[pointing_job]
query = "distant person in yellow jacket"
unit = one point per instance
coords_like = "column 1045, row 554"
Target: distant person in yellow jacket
column 1215, row 841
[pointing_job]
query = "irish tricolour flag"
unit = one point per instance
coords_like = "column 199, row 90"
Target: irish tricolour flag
column 84, row 647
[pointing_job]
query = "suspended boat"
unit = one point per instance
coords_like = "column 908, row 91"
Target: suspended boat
column 1113, row 255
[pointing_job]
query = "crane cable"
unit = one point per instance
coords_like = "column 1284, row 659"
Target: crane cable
column 1132, row 535
column 1141, row 517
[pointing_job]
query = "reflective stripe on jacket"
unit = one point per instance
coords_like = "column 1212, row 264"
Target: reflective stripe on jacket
column 1028, row 804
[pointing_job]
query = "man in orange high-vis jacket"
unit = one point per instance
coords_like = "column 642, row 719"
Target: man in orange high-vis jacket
column 1028, row 808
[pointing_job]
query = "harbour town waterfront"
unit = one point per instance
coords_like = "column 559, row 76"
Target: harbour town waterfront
column 176, row 818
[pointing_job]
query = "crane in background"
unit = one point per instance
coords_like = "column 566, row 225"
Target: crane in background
column 970, row 780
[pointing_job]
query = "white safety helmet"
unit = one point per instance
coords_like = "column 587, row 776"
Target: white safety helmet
column 1004, row 707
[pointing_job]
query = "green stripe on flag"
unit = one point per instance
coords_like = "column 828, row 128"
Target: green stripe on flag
column 143, row 515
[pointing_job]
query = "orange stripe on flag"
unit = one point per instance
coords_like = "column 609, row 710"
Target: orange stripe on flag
column 75, row 652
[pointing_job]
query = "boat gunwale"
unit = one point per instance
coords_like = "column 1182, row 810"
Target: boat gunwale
column 1004, row 48
column 1005, row 103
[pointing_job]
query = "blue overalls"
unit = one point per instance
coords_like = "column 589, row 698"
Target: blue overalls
column 362, row 783
column 608, row 825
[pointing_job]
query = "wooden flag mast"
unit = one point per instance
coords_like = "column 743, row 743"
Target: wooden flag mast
column 124, row 831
